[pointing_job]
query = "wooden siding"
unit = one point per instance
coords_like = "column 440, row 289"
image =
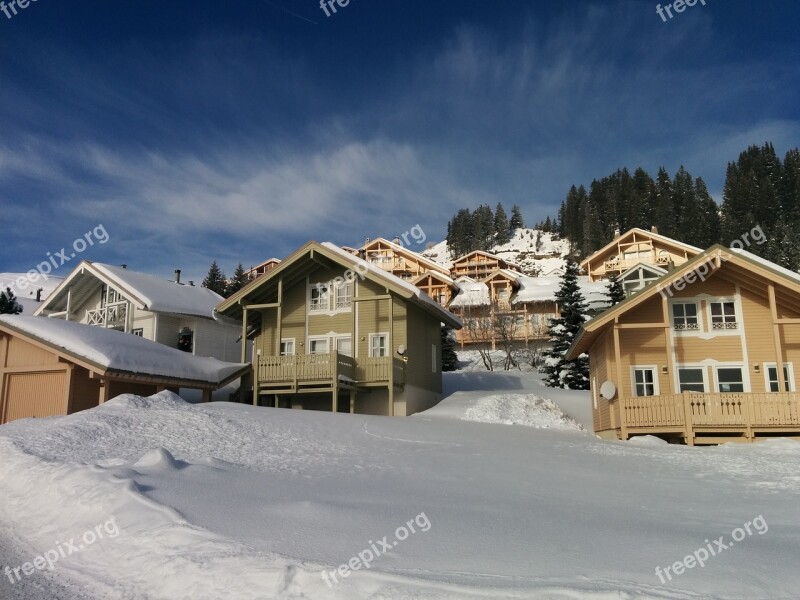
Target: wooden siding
column 34, row 395
column 614, row 259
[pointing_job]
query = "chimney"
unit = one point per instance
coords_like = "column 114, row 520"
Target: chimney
column 177, row 275
column 191, row 283
column 617, row 232
column 396, row 240
column 653, row 229
column 124, row 266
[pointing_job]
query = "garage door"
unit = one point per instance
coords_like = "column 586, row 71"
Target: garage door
column 34, row 395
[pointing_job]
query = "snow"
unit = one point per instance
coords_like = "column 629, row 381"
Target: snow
column 27, row 297
column 120, row 351
column 162, row 295
column 231, row 501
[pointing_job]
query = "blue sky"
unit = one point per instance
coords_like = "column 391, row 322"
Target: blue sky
column 238, row 130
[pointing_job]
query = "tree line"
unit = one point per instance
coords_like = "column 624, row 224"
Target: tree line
column 760, row 190
column 482, row 229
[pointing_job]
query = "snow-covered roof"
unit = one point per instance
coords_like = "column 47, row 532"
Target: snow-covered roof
column 120, row 352
column 471, row 293
column 147, row 292
column 400, row 249
column 765, row 263
column 540, row 289
column 27, row 297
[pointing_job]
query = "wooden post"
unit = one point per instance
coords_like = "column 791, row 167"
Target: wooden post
column 776, row 337
column 333, row 366
column 390, row 353
column 618, row 370
column 279, row 327
column 353, row 401
column 667, row 345
column 255, row 368
column 244, row 336
column 687, row 419
column 207, row 394
column 69, row 303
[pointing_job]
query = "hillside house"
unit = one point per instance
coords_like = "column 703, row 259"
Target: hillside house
column 334, row 332
column 163, row 311
column 398, row 260
column 479, row 265
column 706, row 354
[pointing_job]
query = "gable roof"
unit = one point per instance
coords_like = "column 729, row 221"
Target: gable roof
column 296, row 266
column 146, row 292
column 436, row 275
column 642, row 232
column 434, row 266
column 121, row 355
column 654, row 269
column 716, row 256
column 488, row 255
column 513, row 276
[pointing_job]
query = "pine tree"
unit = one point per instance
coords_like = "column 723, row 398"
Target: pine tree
column 501, row 226
column 615, row 291
column 560, row 372
column 449, row 356
column 516, row 218
column 215, row 280
column 9, row 304
column 237, row 282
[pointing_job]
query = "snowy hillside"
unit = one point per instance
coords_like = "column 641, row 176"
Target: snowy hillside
column 230, row 501
column 536, row 252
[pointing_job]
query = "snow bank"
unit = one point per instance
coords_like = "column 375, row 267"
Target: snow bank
column 520, row 409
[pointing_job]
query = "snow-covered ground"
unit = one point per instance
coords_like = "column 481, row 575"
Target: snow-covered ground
column 231, row 501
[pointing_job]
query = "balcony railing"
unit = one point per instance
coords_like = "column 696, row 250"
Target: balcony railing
column 111, row 315
column 334, row 366
column 709, row 410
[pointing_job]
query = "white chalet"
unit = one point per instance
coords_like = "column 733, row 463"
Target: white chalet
column 168, row 312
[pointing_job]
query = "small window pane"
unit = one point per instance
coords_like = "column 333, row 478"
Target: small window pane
column 691, row 380
column 730, row 379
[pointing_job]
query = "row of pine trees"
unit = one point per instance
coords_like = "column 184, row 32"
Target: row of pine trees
column 760, row 190
column 482, row 229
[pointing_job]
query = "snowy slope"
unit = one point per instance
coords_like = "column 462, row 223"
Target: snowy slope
column 231, row 501
column 536, row 252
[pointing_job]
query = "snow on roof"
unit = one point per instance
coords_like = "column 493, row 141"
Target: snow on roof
column 365, row 266
column 770, row 265
column 162, row 295
column 118, row 351
column 400, row 248
column 471, row 293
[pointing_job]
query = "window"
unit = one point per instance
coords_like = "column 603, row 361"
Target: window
column 287, row 347
column 378, row 344
column 644, row 381
column 344, row 296
column 318, row 345
column 684, row 316
column 729, row 379
column 773, row 385
column 320, row 298
column 138, row 332
column 723, row 315
column 344, row 345
column 691, row 379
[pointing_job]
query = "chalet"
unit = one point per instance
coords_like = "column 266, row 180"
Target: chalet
column 401, row 262
column 51, row 367
column 163, row 311
column 479, row 265
column 262, row 268
column 438, row 286
column 706, row 354
column 626, row 252
column 334, row 332
column 519, row 307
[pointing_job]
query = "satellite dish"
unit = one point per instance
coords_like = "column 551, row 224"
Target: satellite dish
column 401, row 349
column 608, row 390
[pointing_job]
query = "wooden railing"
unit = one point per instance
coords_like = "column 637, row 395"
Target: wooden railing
column 111, row 315
column 328, row 367
column 707, row 410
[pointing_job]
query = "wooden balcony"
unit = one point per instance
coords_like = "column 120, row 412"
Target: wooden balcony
column 696, row 417
column 321, row 372
column 111, row 315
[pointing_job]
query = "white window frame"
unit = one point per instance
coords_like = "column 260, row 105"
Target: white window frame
column 703, row 370
column 319, row 338
column 339, row 338
column 788, row 371
column 654, row 370
column 372, row 336
column 138, row 331
column 742, row 370
column 731, row 326
column 287, row 342
column 320, row 306
column 684, row 329
column 343, row 296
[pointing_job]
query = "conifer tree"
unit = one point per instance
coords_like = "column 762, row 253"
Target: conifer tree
column 560, row 372
column 615, row 292
column 215, row 280
column 516, row 218
column 237, row 282
column 501, row 225
column 9, row 304
column 449, row 356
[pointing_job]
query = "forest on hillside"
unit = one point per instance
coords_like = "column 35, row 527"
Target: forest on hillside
column 760, row 190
